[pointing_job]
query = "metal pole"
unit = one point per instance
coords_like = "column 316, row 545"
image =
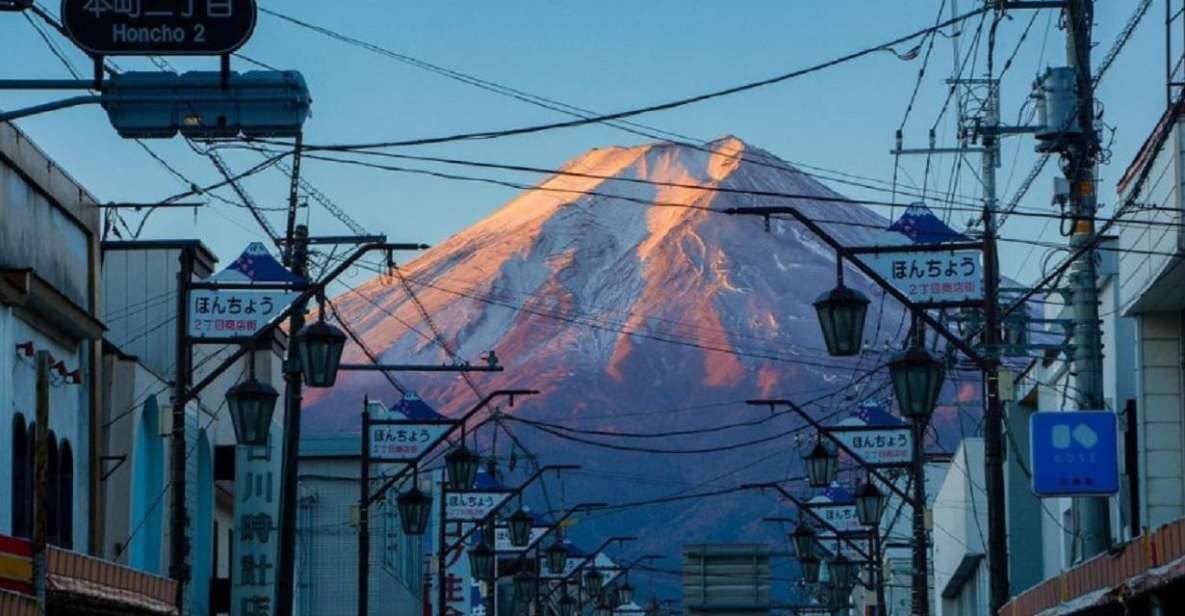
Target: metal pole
column 921, row 545
column 285, row 577
column 878, row 571
column 1092, row 516
column 179, row 520
column 41, row 484
column 993, row 416
column 442, row 552
column 364, row 516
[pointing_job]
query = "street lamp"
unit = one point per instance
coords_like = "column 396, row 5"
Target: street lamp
column 319, row 346
column 461, row 465
column 602, row 609
column 803, row 540
column 625, row 593
column 481, row 561
column 594, row 580
column 519, row 527
column 557, row 558
column 821, row 464
column 524, row 586
column 414, row 507
column 917, row 380
column 841, row 314
column 842, row 571
column 611, row 599
column 870, row 504
column 567, row 606
column 810, row 568
column 251, row 406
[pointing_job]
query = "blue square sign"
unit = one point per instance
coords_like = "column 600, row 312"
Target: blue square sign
column 1074, row 453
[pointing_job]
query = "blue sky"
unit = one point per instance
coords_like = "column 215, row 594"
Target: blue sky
column 603, row 56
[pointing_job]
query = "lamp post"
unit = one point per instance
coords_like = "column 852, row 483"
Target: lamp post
column 518, row 526
column 414, row 509
column 461, row 467
column 557, row 557
column 821, row 465
column 252, row 405
column 803, row 539
column 319, row 346
column 841, row 313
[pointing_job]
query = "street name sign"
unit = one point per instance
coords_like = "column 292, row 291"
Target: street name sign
column 159, row 27
column 258, row 290
column 401, row 440
column 472, row 506
column 875, row 436
column 1074, row 453
column 928, row 277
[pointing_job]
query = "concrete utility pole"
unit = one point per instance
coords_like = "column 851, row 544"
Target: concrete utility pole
column 41, row 485
column 179, row 545
column 1092, row 516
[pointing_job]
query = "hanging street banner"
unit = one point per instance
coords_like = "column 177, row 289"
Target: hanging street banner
column 159, row 27
column 837, row 507
column 1074, row 453
column 876, row 436
column 502, row 538
column 472, row 506
column 401, row 440
column 239, row 313
column 928, row 277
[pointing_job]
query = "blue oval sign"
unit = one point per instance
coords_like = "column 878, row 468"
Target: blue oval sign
column 159, row 27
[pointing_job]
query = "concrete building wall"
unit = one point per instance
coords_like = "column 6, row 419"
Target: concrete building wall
column 1162, row 417
column 960, row 522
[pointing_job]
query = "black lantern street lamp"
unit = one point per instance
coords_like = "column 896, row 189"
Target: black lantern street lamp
column 519, row 527
column 319, row 346
column 481, row 562
column 602, row 609
column 524, row 586
column 567, row 606
column 414, row 507
column 557, row 558
column 917, row 380
column 625, row 593
column 461, row 465
column 810, row 568
column 842, row 571
column 821, row 464
column 611, row 599
column 841, row 314
column 251, row 405
column 803, row 540
column 870, row 503
column 593, row 581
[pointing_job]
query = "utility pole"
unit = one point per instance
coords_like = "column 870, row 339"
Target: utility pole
column 41, row 485
column 1092, row 516
column 921, row 543
column 179, row 520
column 293, row 398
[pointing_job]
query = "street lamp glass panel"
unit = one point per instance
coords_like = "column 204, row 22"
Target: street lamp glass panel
column 917, row 380
column 319, row 346
column 519, row 527
column 841, row 313
column 524, row 586
column 414, row 507
column 481, row 562
column 557, row 558
column 810, row 569
column 842, row 571
column 803, row 540
column 461, row 464
column 821, row 464
column 567, row 606
column 593, row 581
column 251, row 405
column 870, row 504
column 625, row 594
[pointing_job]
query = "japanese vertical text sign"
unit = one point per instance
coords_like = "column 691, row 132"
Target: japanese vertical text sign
column 932, row 277
column 1074, row 453
column 159, row 27
column 257, row 509
column 240, row 312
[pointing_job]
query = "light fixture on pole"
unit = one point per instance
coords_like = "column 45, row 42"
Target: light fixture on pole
column 803, row 540
column 821, row 465
column 524, row 586
column 557, row 558
column 842, row 571
column 567, row 605
column 870, row 503
column 602, row 609
column 461, row 466
column 611, row 599
column 810, row 568
column 481, row 562
column 917, row 380
column 414, row 508
column 625, row 593
column 841, row 313
column 251, row 405
column 518, row 526
column 319, row 346
column 593, row 581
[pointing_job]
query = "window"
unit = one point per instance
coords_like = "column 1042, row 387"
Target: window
column 65, row 511
column 22, row 481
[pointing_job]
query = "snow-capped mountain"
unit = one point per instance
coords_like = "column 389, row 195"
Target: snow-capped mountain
column 633, row 314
